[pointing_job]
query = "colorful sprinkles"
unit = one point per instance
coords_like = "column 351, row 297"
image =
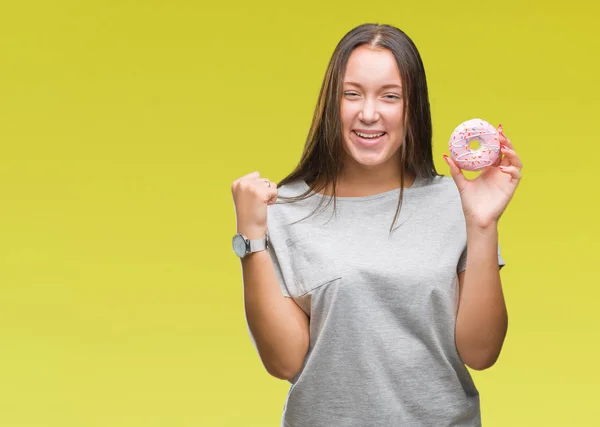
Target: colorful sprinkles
column 474, row 130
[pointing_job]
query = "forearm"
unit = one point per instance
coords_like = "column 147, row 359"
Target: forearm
column 482, row 319
column 278, row 326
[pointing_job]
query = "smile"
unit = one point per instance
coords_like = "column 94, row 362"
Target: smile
column 369, row 135
column 369, row 140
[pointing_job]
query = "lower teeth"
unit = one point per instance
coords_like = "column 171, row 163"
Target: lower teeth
column 371, row 137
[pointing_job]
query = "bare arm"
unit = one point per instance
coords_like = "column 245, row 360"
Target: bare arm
column 482, row 319
column 278, row 326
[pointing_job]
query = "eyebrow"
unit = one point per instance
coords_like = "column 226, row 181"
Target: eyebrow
column 387, row 86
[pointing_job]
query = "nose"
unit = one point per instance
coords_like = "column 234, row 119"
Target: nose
column 369, row 113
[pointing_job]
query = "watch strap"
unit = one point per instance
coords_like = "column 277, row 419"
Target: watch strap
column 258, row 244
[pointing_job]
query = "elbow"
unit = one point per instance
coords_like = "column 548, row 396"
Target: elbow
column 284, row 367
column 282, row 375
column 481, row 363
column 282, row 372
column 480, row 354
column 481, row 359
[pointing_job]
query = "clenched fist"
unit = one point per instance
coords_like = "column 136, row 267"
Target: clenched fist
column 251, row 196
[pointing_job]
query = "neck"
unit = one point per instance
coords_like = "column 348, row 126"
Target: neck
column 359, row 181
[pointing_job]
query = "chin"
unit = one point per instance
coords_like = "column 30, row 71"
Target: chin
column 369, row 160
column 369, row 157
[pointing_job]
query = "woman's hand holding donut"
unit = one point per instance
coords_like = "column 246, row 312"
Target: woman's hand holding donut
column 485, row 197
column 251, row 196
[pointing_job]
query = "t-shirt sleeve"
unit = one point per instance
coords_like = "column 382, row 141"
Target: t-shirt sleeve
column 462, row 262
column 278, row 272
column 281, row 263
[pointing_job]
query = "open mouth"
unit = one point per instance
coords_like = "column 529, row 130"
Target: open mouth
column 369, row 135
column 368, row 139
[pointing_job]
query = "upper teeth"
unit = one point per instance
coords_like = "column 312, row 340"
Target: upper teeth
column 367, row 135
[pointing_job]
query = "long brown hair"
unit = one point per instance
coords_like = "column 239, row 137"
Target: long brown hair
column 322, row 159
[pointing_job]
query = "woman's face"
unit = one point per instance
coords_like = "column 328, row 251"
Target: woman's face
column 371, row 108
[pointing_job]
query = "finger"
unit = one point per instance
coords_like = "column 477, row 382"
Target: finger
column 512, row 171
column 272, row 198
column 268, row 190
column 272, row 195
column 503, row 139
column 242, row 178
column 505, row 161
column 456, row 172
column 266, row 181
column 512, row 157
column 251, row 175
column 497, row 161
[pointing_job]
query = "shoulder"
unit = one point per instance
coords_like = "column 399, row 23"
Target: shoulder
column 287, row 210
column 292, row 189
column 438, row 197
column 438, row 186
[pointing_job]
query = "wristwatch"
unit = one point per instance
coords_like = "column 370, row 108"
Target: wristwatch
column 242, row 246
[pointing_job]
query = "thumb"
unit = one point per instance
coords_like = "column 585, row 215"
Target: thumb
column 456, row 172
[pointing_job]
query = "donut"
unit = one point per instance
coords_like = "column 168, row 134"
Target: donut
column 460, row 145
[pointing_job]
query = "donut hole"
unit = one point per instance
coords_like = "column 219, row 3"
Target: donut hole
column 474, row 145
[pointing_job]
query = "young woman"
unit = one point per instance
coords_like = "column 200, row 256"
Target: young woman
column 379, row 279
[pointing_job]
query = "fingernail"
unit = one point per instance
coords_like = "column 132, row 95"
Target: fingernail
column 446, row 159
column 500, row 127
column 504, row 147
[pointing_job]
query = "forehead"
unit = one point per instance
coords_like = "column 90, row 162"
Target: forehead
column 369, row 66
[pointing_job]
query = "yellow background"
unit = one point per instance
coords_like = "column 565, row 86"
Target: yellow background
column 122, row 126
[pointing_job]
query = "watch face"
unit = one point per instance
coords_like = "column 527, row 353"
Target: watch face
column 239, row 245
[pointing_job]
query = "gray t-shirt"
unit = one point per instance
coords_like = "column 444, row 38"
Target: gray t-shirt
column 382, row 307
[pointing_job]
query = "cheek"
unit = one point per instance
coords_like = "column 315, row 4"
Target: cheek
column 395, row 117
column 348, row 114
column 393, row 121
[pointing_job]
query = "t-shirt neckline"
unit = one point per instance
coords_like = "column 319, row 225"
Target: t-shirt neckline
column 417, row 183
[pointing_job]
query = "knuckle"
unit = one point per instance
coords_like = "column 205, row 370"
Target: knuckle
column 243, row 186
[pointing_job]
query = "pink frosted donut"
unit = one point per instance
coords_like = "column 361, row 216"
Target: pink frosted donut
column 474, row 130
